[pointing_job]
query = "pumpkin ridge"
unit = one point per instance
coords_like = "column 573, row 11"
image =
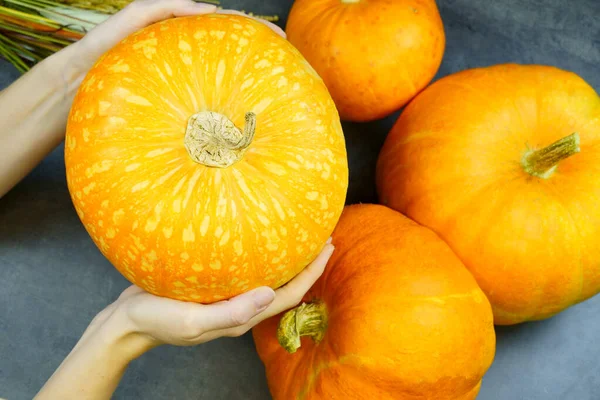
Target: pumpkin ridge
column 353, row 361
column 242, row 66
column 472, row 295
column 561, row 201
column 267, row 181
column 317, row 371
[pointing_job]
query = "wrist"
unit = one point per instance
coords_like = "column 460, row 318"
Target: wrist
column 65, row 70
column 119, row 336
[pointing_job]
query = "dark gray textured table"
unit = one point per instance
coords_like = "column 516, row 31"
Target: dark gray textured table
column 47, row 296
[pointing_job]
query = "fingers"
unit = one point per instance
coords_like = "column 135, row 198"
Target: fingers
column 291, row 294
column 287, row 297
column 138, row 15
column 130, row 291
column 271, row 25
column 153, row 11
column 234, row 312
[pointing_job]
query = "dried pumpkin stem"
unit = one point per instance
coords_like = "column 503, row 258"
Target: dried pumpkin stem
column 213, row 140
column 543, row 162
column 308, row 319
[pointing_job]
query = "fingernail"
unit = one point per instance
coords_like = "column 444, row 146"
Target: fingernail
column 263, row 297
column 329, row 240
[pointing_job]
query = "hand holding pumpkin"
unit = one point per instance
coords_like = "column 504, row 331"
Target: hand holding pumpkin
column 41, row 125
column 167, row 321
column 139, row 321
column 138, row 15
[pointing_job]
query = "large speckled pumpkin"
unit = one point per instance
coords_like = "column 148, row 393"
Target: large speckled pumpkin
column 205, row 157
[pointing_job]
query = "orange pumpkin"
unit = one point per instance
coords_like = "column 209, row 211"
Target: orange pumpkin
column 483, row 157
column 205, row 157
column 395, row 316
column 374, row 55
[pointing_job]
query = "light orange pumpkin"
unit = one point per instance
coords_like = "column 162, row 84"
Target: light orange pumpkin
column 395, row 316
column 488, row 159
column 374, row 55
column 205, row 157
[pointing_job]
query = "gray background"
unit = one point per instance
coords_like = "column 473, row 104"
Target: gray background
column 53, row 280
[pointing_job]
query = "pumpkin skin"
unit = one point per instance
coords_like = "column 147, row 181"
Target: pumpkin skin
column 374, row 55
column 453, row 162
column 179, row 228
column 406, row 320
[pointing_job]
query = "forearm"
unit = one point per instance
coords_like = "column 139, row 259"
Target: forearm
column 34, row 111
column 94, row 368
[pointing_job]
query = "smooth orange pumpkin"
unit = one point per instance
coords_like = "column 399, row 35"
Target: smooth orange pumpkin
column 374, row 55
column 205, row 157
column 488, row 159
column 395, row 316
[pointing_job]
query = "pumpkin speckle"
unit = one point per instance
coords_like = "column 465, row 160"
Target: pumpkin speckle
column 158, row 152
column 197, row 267
column 262, row 105
column 168, row 69
column 89, row 188
column 103, row 107
column 140, row 186
column 167, row 232
column 184, row 46
column 224, row 239
column 312, row 196
column 151, row 224
column 114, row 120
column 215, row 264
column 188, row 234
column 247, row 83
column 138, row 100
column 264, row 63
column 148, row 47
column 177, row 205
column 118, row 216
column 204, row 226
column 217, row 34
column 283, row 82
column 111, row 233
column 221, row 68
column 119, row 66
column 238, row 248
column 132, row 167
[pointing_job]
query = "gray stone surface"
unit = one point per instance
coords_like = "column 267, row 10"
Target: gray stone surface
column 54, row 280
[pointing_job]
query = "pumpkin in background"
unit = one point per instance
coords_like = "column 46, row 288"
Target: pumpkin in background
column 395, row 316
column 205, row 157
column 491, row 160
column 374, row 55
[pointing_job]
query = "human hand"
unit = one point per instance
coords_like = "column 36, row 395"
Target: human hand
column 156, row 320
column 136, row 16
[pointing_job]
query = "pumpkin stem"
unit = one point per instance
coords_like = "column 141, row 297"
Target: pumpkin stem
column 305, row 320
column 543, row 162
column 211, row 139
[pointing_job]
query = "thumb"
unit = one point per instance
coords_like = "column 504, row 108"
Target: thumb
column 239, row 310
